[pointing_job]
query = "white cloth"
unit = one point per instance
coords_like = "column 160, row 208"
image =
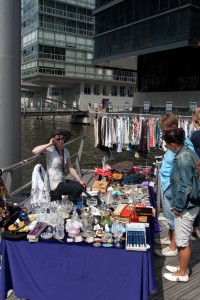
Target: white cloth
column 39, row 184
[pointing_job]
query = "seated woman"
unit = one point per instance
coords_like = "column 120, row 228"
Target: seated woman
column 58, row 159
column 184, row 211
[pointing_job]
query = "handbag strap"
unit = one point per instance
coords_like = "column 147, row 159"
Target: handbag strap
column 197, row 163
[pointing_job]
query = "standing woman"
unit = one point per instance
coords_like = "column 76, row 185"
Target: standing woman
column 195, row 139
column 195, row 132
column 58, row 159
column 185, row 212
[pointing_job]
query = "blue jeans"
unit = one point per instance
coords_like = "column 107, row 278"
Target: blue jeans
column 167, row 204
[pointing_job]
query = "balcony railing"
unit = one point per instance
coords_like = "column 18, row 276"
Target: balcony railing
column 61, row 72
column 57, row 27
column 67, row 14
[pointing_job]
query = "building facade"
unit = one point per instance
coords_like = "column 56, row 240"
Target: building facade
column 160, row 39
column 57, row 55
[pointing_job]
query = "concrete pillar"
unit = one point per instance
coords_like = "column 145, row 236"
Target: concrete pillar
column 10, row 82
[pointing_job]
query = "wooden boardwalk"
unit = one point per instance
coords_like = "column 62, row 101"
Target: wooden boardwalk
column 166, row 290
column 175, row 290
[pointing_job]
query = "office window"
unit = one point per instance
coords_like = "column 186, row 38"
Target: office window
column 47, row 35
column 56, row 91
column 89, row 55
column 70, row 53
column 113, row 90
column 60, row 37
column 96, row 89
column 105, row 90
column 80, row 54
column 80, row 69
column 77, row 89
column 130, row 91
column 70, row 68
column 87, row 89
column 122, row 91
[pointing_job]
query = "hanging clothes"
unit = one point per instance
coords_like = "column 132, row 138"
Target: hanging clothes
column 126, row 132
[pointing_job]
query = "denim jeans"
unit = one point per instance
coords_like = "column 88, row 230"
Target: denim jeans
column 167, row 204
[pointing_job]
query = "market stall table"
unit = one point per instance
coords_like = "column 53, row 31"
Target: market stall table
column 46, row 270
column 53, row 270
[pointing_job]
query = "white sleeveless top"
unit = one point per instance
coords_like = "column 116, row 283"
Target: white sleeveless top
column 55, row 167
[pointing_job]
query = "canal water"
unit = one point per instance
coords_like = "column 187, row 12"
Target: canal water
column 35, row 132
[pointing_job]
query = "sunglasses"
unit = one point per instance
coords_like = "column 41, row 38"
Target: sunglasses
column 60, row 139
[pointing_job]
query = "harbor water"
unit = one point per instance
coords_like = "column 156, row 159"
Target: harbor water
column 35, row 132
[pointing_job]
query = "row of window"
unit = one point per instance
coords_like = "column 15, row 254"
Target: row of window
column 105, row 90
column 130, row 11
column 96, row 90
column 56, row 38
column 76, row 6
column 158, row 31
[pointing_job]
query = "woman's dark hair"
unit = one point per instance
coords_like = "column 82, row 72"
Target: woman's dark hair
column 175, row 135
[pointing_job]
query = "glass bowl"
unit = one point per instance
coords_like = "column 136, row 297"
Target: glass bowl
column 46, row 235
column 91, row 202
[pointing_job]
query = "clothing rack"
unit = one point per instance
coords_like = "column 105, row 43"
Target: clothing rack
column 138, row 115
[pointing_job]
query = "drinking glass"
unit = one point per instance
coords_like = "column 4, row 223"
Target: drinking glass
column 117, row 230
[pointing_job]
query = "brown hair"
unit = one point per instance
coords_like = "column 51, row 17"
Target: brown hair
column 175, row 135
column 169, row 120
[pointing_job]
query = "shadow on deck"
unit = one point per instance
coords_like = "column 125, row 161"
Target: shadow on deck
column 175, row 290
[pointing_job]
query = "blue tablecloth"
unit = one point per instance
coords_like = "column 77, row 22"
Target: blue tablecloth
column 50, row 271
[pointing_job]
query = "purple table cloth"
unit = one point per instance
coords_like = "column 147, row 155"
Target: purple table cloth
column 49, row 271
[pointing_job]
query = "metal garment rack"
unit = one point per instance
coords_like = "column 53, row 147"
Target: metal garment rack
column 139, row 115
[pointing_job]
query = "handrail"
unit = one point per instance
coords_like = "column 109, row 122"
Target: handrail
column 9, row 171
column 49, row 106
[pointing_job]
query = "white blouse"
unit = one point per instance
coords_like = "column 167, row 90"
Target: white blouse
column 55, row 166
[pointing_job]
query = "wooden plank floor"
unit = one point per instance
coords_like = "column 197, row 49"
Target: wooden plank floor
column 175, row 290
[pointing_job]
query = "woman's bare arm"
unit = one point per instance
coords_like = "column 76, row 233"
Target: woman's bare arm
column 41, row 149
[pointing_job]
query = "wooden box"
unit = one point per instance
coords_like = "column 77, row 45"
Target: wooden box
column 100, row 186
column 144, row 211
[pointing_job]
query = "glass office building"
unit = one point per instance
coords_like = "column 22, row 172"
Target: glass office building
column 160, row 39
column 57, row 54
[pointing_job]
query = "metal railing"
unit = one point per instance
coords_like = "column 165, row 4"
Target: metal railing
column 60, row 72
column 38, row 106
column 8, row 173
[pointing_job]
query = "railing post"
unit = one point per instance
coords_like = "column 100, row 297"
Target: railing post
column 78, row 159
column 41, row 105
column 24, row 107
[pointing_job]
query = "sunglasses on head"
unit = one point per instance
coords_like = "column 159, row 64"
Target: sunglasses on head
column 60, row 139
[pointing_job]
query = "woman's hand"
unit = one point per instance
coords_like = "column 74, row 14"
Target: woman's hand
column 177, row 213
column 52, row 141
column 83, row 183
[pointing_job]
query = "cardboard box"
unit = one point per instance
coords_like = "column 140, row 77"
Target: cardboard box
column 100, row 186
